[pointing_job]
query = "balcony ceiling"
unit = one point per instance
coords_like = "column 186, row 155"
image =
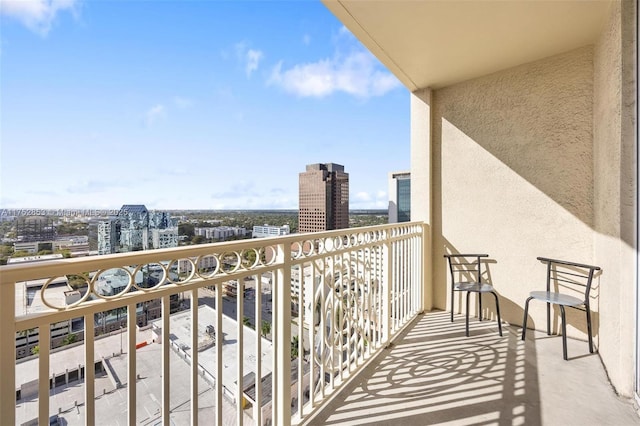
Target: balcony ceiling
column 438, row 43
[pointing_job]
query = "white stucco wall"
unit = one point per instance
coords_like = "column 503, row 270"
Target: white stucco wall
column 421, row 187
column 614, row 188
column 513, row 176
column 540, row 160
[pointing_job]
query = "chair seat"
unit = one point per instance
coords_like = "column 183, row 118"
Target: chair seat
column 556, row 298
column 474, row 287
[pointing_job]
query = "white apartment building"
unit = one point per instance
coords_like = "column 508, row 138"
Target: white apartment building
column 205, row 263
column 270, row 231
column 220, row 232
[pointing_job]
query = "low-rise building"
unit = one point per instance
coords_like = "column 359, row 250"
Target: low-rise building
column 270, row 231
column 220, row 233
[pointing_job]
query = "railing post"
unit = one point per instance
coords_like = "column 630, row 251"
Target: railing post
column 8, row 353
column 386, row 291
column 89, row 370
column 131, row 366
column 44, row 354
column 282, row 338
column 194, row 358
column 166, row 360
column 426, row 301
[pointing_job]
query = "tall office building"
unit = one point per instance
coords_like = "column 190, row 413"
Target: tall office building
column 399, row 197
column 324, row 198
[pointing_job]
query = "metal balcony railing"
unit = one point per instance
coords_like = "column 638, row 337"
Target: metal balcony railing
column 268, row 330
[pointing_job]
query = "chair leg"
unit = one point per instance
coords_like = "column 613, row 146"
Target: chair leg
column 524, row 321
column 589, row 330
column 479, row 306
column 548, row 319
column 467, row 316
column 452, row 293
column 564, row 333
column 498, row 312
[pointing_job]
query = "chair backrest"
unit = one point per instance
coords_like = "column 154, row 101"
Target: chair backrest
column 467, row 267
column 570, row 276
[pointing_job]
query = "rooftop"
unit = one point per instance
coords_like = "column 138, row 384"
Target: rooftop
column 180, row 325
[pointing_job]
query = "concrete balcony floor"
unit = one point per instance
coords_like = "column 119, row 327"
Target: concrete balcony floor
column 434, row 375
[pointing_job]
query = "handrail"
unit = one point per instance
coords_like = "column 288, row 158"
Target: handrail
column 24, row 272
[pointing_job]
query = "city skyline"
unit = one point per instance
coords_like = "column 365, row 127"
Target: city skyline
column 190, row 106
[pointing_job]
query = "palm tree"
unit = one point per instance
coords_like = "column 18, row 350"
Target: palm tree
column 265, row 328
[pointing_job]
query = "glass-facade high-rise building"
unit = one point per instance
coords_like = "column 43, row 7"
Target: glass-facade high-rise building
column 135, row 228
column 324, row 198
column 399, row 197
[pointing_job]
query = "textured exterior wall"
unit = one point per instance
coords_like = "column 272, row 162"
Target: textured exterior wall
column 421, row 186
column 540, row 160
column 614, row 188
column 513, row 176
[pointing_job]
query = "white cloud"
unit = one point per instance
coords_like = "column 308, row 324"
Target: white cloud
column 37, row 15
column 154, row 114
column 250, row 58
column 253, row 59
column 356, row 73
column 343, row 31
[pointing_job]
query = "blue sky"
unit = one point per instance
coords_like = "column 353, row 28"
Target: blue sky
column 189, row 105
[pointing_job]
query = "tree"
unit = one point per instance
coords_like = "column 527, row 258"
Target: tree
column 186, row 229
column 295, row 343
column 69, row 339
column 265, row 328
column 66, row 253
column 77, row 281
column 248, row 257
column 198, row 239
column 247, row 322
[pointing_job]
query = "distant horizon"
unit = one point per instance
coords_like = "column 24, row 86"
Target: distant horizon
column 35, row 211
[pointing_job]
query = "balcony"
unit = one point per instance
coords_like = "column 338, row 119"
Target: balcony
column 337, row 297
column 368, row 351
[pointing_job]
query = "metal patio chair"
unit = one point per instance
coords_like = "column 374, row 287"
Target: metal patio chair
column 466, row 275
column 569, row 276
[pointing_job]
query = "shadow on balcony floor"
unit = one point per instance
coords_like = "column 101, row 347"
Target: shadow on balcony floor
column 434, row 375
